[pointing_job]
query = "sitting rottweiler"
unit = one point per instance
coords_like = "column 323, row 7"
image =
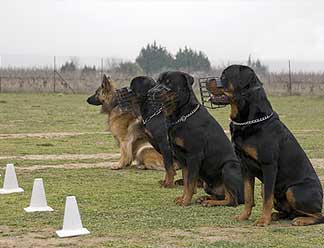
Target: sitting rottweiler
column 268, row 151
column 154, row 125
column 200, row 145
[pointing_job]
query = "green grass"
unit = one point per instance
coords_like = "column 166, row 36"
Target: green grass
column 127, row 208
column 37, row 113
column 131, row 209
column 88, row 144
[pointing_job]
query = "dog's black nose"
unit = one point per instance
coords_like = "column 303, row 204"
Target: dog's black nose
column 93, row 100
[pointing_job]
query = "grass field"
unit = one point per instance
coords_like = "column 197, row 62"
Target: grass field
column 62, row 139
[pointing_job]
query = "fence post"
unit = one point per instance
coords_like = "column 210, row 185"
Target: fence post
column 289, row 86
column 54, row 82
column 101, row 71
column 0, row 84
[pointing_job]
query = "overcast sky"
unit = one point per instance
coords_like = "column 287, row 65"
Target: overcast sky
column 225, row 30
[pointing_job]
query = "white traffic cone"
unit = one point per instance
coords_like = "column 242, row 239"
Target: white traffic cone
column 38, row 201
column 72, row 225
column 10, row 184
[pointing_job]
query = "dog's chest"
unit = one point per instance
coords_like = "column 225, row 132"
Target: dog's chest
column 247, row 151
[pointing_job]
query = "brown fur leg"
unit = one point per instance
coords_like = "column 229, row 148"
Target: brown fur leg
column 192, row 188
column 179, row 199
column 265, row 218
column 186, row 186
column 213, row 202
column 125, row 158
column 248, row 199
column 168, row 181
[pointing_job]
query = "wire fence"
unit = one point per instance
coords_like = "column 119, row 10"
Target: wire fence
column 53, row 75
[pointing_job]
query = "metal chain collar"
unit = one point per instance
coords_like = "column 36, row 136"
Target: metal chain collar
column 152, row 116
column 252, row 121
column 185, row 117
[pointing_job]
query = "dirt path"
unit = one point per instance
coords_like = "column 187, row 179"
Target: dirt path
column 64, row 156
column 317, row 163
column 45, row 135
column 47, row 238
column 107, row 164
column 67, row 134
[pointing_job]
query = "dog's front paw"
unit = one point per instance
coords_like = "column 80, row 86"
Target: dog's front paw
column 201, row 199
column 263, row 221
column 165, row 184
column 178, row 200
column 207, row 203
column 116, row 167
column 182, row 201
column 243, row 216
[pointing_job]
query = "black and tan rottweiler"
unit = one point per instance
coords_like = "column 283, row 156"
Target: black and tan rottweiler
column 200, row 145
column 154, row 124
column 268, row 151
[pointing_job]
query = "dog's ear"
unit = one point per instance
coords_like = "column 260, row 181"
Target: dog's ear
column 247, row 77
column 190, row 79
column 106, row 84
column 162, row 77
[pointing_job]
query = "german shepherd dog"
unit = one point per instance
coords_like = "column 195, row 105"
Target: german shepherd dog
column 268, row 151
column 127, row 130
column 200, row 145
column 153, row 120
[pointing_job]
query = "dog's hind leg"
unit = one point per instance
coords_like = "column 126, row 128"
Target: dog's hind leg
column 306, row 200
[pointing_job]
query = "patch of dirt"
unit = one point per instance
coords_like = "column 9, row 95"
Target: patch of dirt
column 318, row 163
column 45, row 135
column 107, row 164
column 47, row 238
column 64, row 156
column 206, row 234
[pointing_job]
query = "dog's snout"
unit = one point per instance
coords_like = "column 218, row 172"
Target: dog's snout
column 93, row 100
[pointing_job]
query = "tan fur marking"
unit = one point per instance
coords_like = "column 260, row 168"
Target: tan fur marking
column 234, row 110
column 290, row 198
column 213, row 202
column 304, row 221
column 265, row 217
column 251, row 151
column 179, row 141
column 248, row 199
column 212, row 88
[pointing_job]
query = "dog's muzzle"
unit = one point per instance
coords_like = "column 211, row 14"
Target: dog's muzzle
column 162, row 96
column 93, row 100
column 211, row 93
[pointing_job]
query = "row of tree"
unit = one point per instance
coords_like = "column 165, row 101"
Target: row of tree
column 154, row 58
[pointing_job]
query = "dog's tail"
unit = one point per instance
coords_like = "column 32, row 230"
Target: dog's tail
column 148, row 158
